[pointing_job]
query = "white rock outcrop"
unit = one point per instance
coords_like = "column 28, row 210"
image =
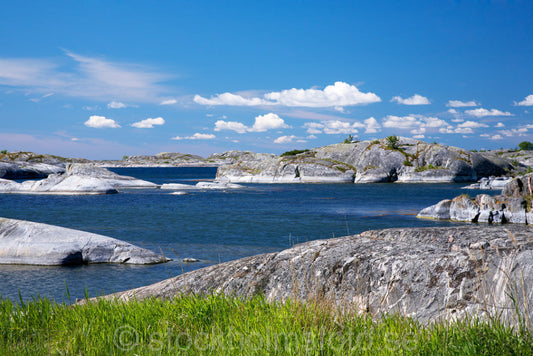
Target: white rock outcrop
column 30, row 243
column 77, row 179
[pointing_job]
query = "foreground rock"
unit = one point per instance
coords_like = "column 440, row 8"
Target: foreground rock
column 514, row 205
column 30, row 243
column 375, row 161
column 77, row 179
column 424, row 273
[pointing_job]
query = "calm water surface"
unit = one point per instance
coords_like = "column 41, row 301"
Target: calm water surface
column 213, row 226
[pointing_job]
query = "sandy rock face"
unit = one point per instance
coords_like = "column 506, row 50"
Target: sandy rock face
column 425, row 273
column 25, row 242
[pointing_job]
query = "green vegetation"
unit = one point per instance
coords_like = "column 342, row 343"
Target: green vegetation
column 425, row 168
column 393, row 142
column 293, row 152
column 375, row 142
column 3, row 152
column 528, row 169
column 226, row 325
column 407, row 163
column 525, row 146
column 124, row 157
column 349, row 139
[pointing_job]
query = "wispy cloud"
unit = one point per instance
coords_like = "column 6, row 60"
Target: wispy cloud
column 460, row 104
column 116, row 105
column 333, row 127
column 288, row 139
column 417, row 124
column 168, row 102
column 196, row 136
column 414, row 100
column 337, row 96
column 481, row 112
column 84, row 77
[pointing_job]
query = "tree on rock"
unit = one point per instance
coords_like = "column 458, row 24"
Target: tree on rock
column 526, row 146
column 393, row 142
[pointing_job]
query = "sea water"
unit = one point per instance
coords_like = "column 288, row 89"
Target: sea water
column 212, row 225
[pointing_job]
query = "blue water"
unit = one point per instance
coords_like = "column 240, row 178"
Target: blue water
column 213, row 226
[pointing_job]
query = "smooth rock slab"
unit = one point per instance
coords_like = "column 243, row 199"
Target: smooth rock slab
column 425, row 273
column 30, row 243
column 77, row 179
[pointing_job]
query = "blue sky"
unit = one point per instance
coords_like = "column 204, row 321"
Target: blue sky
column 103, row 79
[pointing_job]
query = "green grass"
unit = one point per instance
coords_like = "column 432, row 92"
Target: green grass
column 226, row 325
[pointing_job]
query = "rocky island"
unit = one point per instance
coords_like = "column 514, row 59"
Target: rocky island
column 398, row 159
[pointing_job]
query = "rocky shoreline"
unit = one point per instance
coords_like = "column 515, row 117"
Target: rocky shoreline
column 513, row 205
column 428, row 274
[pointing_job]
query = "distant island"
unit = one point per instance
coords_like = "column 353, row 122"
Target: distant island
column 390, row 159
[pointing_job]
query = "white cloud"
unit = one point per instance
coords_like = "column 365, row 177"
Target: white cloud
column 419, row 137
column 372, row 125
column 499, row 124
column 116, row 105
column 196, row 136
column 514, row 132
column 168, row 102
column 464, row 130
column 90, row 78
column 458, row 120
column 332, row 127
column 405, row 122
column 231, row 125
column 337, row 96
column 268, row 121
column 262, row 123
column 100, row 122
column 496, row 137
column 528, row 101
column 472, row 125
column 229, row 99
column 285, row 139
column 452, row 111
column 148, row 123
column 416, row 124
column 460, row 104
column 414, row 100
column 484, row 112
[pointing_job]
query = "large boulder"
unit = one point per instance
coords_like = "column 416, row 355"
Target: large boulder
column 428, row 274
column 30, row 243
